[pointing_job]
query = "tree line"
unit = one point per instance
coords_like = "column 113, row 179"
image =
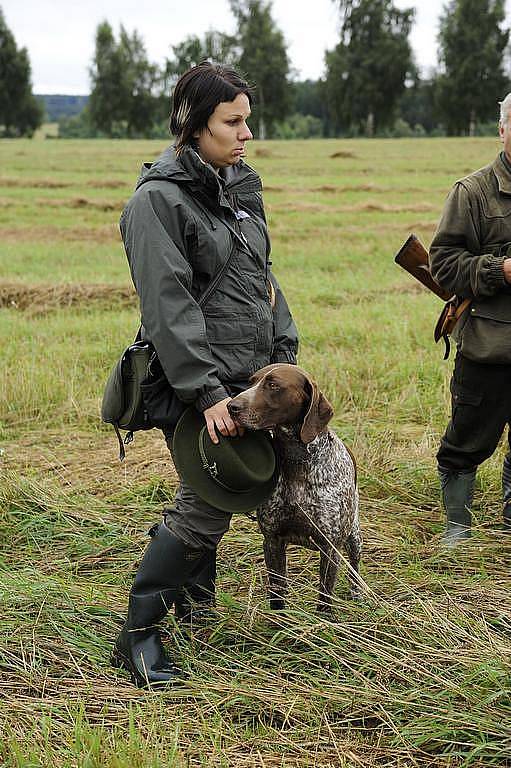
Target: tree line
column 371, row 85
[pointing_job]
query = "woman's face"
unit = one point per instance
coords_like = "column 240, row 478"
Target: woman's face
column 222, row 142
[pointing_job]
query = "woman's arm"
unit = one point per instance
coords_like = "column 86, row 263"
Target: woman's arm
column 154, row 232
column 285, row 346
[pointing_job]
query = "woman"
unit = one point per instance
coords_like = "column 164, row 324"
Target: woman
column 196, row 207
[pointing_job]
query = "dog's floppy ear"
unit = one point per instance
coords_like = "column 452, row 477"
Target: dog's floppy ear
column 317, row 417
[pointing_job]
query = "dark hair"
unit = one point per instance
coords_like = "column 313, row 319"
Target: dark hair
column 196, row 96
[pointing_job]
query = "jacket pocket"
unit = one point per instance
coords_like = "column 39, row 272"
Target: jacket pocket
column 486, row 335
column 464, row 402
column 498, row 207
column 232, row 339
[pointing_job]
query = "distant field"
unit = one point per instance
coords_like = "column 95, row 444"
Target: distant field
column 419, row 675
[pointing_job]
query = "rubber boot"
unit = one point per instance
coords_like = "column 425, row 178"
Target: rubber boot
column 506, row 494
column 457, row 494
column 167, row 564
column 194, row 606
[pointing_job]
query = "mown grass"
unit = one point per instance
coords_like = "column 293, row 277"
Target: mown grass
column 417, row 675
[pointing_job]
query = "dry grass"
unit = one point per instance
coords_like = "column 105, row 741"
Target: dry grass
column 88, row 461
column 81, row 202
column 39, row 299
column 107, row 233
column 342, row 153
column 38, row 183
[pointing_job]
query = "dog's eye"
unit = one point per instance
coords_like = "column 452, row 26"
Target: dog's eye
column 273, row 385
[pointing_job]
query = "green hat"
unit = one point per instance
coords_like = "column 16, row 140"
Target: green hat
column 235, row 475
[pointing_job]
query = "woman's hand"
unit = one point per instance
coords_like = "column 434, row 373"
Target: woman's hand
column 218, row 416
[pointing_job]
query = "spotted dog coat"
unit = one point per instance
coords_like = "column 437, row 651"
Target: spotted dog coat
column 315, row 502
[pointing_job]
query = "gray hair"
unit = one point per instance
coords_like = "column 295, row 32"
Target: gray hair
column 505, row 108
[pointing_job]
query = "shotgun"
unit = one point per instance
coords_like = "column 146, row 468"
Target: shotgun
column 413, row 257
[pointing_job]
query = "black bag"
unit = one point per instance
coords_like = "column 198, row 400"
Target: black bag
column 162, row 406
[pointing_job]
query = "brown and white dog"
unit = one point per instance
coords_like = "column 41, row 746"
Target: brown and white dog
column 315, row 502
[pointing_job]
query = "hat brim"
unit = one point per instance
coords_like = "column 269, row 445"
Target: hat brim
column 188, row 462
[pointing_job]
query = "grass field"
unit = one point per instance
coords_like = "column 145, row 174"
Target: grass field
column 417, row 675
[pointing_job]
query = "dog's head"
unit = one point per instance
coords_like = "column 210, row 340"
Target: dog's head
column 282, row 394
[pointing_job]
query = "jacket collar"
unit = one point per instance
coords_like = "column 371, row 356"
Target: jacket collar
column 503, row 174
column 189, row 168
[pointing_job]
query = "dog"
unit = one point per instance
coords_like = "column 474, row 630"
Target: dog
column 315, row 502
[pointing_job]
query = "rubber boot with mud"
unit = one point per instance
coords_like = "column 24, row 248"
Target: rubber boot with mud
column 457, row 494
column 167, row 564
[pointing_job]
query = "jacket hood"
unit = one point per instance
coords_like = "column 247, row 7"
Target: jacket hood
column 191, row 170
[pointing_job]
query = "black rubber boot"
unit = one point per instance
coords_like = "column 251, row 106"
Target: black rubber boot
column 167, row 564
column 506, row 494
column 457, row 494
column 194, row 606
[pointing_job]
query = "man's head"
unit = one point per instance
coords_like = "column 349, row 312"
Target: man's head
column 505, row 124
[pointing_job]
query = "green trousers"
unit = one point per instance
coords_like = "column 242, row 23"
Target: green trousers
column 193, row 520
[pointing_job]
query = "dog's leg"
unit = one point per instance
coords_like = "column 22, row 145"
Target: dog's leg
column 276, row 565
column 329, row 560
column 353, row 547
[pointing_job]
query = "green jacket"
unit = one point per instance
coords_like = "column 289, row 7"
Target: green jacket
column 178, row 231
column 466, row 257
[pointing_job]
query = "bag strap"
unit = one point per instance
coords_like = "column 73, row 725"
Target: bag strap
column 448, row 318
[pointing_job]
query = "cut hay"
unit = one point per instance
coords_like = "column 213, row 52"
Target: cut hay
column 42, row 298
column 103, row 233
column 344, row 153
column 90, row 461
column 82, row 202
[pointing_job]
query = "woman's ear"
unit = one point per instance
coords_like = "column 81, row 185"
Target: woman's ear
column 317, row 417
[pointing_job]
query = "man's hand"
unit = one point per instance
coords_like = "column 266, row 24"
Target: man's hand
column 218, row 416
column 506, row 266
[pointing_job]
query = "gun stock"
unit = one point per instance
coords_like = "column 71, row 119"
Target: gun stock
column 413, row 257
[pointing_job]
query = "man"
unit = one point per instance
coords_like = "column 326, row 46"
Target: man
column 471, row 256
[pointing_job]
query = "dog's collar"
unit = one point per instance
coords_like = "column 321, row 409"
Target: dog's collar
column 291, row 448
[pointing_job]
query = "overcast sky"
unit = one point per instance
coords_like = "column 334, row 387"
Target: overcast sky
column 59, row 34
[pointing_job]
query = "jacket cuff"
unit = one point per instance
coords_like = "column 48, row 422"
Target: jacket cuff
column 210, row 398
column 283, row 357
column 496, row 272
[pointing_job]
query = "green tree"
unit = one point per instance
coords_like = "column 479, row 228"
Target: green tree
column 264, row 61
column 214, row 46
column 20, row 112
column 141, row 79
column 309, row 100
column 107, row 103
column 417, row 104
column 367, row 70
column 472, row 47
column 124, row 98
